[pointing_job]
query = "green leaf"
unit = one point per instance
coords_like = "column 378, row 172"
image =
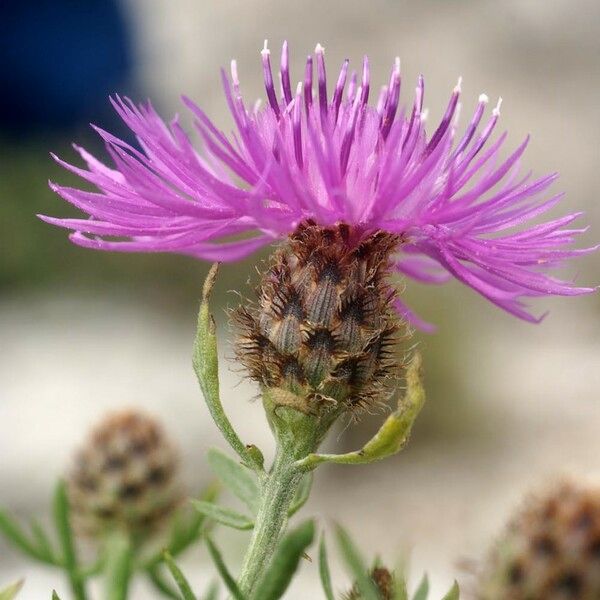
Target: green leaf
column 356, row 565
column 223, row 515
column 392, row 435
column 10, row 592
column 212, row 593
column 62, row 521
column 179, row 577
column 13, row 533
column 237, row 478
column 302, row 494
column 223, row 571
column 453, row 594
column 284, row 564
column 423, row 590
column 158, row 581
column 324, row 571
column 206, row 367
column 400, row 590
column 55, row 596
column 119, row 557
column 43, row 543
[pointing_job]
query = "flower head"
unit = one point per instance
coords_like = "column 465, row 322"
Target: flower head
column 125, row 477
column 323, row 335
column 550, row 550
column 331, row 157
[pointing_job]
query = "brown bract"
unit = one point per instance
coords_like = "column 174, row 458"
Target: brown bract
column 125, row 477
column 324, row 330
column 551, row 549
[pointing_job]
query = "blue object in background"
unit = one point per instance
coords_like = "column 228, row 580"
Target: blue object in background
column 59, row 60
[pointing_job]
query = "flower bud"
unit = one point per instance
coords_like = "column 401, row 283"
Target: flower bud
column 323, row 332
column 384, row 583
column 550, row 550
column 125, row 477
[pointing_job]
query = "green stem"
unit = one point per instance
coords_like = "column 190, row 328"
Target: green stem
column 119, row 567
column 62, row 519
column 278, row 494
column 77, row 585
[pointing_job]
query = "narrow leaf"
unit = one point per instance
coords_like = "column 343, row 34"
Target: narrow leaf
column 212, row 593
column 237, row 478
column 206, row 367
column 10, row 592
column 228, row 580
column 119, row 554
column 453, row 594
column 179, row 577
column 284, row 564
column 400, row 590
column 356, row 565
column 43, row 543
column 324, row 571
column 423, row 590
column 62, row 521
column 63, row 525
column 223, row 515
column 392, row 435
column 158, row 581
column 13, row 533
column 302, row 494
column 55, row 596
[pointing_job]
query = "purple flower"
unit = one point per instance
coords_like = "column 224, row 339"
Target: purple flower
column 460, row 209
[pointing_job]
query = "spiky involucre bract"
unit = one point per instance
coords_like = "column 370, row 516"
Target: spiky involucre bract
column 125, row 477
column 551, row 549
column 324, row 329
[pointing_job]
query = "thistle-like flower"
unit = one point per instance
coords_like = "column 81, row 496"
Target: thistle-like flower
column 125, row 477
column 332, row 159
column 551, row 549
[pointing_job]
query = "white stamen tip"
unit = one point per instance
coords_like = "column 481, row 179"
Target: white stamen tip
column 496, row 111
column 457, row 113
column 319, row 49
column 484, row 98
column 424, row 115
column 265, row 51
column 397, row 64
column 234, row 72
column 458, row 86
column 299, row 88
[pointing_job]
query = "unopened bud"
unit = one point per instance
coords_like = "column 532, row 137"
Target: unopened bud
column 550, row 550
column 384, row 583
column 125, row 477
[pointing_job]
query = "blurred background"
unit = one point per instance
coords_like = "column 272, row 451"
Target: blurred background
column 509, row 404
